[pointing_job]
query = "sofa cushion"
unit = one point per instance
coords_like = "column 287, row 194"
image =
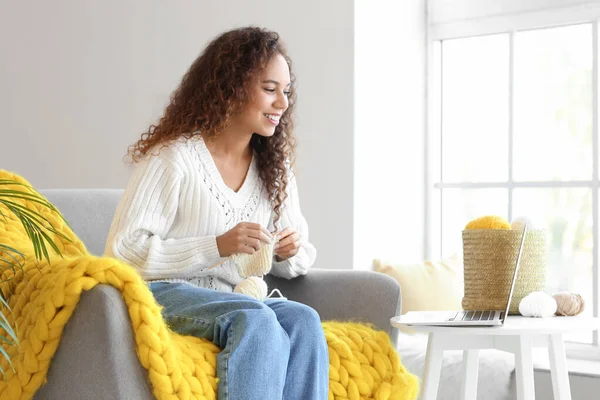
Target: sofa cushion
column 431, row 285
column 89, row 212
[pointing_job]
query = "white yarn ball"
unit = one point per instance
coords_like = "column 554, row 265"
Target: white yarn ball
column 537, row 304
column 252, row 286
column 519, row 223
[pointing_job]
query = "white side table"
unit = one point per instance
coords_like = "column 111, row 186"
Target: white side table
column 518, row 335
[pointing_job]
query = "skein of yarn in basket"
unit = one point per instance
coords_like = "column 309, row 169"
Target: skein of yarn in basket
column 490, row 256
column 568, row 304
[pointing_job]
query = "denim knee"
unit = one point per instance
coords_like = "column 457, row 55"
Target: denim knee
column 300, row 319
column 310, row 318
column 254, row 313
column 260, row 323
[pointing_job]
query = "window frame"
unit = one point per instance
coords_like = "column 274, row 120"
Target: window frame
column 440, row 29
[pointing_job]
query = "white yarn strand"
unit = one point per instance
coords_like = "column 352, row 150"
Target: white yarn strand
column 281, row 297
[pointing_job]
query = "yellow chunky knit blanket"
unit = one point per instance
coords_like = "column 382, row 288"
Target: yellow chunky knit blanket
column 363, row 363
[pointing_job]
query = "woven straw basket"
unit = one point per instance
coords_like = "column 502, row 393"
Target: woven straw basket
column 490, row 256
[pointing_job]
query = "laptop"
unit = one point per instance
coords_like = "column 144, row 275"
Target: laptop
column 464, row 318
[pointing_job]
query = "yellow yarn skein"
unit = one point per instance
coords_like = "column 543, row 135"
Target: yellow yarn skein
column 489, row 222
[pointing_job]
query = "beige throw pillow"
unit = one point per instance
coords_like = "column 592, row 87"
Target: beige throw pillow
column 428, row 286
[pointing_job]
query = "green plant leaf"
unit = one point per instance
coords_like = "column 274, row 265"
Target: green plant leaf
column 25, row 196
column 18, row 209
column 9, row 250
column 36, row 235
column 26, row 226
column 36, row 194
column 4, row 322
column 10, row 265
column 29, row 197
column 13, row 182
column 7, row 340
column 43, row 245
column 51, row 243
column 37, row 227
column 2, row 370
column 34, row 232
column 32, row 236
column 5, row 354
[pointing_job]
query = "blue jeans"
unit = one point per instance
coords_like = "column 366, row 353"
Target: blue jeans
column 270, row 350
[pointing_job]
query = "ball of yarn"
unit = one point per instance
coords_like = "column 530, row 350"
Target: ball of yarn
column 537, row 304
column 568, row 303
column 519, row 223
column 488, row 222
column 252, row 286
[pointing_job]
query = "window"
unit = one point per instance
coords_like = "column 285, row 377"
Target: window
column 513, row 132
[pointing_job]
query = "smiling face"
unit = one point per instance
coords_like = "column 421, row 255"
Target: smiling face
column 269, row 99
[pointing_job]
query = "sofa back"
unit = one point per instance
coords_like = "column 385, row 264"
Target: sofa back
column 88, row 211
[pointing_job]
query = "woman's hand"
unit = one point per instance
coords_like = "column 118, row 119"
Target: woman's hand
column 245, row 237
column 288, row 245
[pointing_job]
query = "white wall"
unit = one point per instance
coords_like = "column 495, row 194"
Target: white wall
column 81, row 80
column 390, row 59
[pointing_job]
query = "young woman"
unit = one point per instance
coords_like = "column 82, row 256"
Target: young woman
column 212, row 178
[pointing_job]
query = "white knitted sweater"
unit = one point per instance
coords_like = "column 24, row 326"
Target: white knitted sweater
column 176, row 204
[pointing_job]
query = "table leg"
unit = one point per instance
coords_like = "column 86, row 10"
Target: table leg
column 433, row 367
column 470, row 372
column 524, row 368
column 558, row 368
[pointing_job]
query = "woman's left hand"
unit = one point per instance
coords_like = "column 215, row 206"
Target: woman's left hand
column 288, row 245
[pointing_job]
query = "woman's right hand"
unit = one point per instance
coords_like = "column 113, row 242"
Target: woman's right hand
column 245, row 237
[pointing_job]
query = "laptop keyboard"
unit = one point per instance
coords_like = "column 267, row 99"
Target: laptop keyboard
column 474, row 316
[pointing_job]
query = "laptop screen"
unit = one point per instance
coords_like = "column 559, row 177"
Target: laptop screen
column 514, row 279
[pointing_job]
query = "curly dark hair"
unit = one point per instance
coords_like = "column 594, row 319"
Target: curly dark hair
column 214, row 89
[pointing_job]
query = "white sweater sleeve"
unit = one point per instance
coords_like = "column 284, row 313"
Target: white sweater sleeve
column 291, row 216
column 139, row 230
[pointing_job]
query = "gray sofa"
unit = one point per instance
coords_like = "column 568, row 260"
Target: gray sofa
column 96, row 358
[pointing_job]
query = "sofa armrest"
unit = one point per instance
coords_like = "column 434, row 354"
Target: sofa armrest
column 346, row 295
column 96, row 357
